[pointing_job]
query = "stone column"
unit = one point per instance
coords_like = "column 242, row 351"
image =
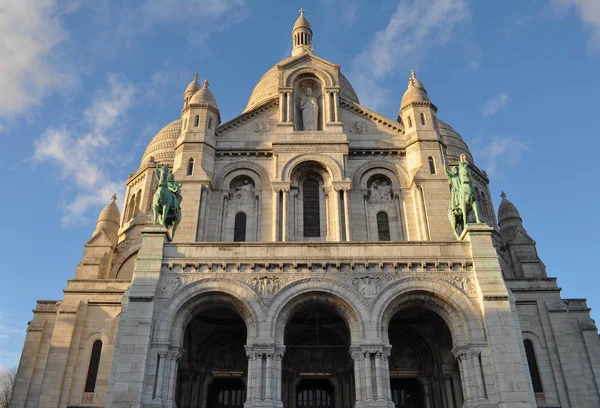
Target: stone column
column 357, row 357
column 278, row 376
column 285, row 193
column 275, row 213
column 386, row 372
column 461, row 356
column 281, row 105
column 175, row 356
column 250, row 380
column 289, row 106
column 476, row 373
column 160, row 374
column 368, row 372
column 379, row 376
column 335, row 106
column 346, row 214
column 448, row 384
column 269, row 376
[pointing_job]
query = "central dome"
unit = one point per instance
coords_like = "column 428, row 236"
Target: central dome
column 267, row 88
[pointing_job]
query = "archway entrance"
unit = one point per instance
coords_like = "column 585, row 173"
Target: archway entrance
column 212, row 370
column 423, row 372
column 317, row 368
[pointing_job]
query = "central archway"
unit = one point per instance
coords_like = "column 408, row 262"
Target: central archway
column 317, row 367
column 213, row 369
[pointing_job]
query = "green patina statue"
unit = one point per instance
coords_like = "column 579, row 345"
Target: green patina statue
column 463, row 196
column 167, row 198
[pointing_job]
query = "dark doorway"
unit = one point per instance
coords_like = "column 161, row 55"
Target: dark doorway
column 406, row 393
column 226, row 392
column 314, row 393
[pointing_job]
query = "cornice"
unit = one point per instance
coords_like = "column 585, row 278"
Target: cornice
column 245, row 117
column 373, row 116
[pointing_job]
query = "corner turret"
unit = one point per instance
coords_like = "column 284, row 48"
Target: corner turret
column 191, row 89
column 108, row 220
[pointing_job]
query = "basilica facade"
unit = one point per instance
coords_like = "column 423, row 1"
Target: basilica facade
column 314, row 266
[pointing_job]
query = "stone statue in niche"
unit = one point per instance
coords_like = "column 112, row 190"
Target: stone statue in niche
column 381, row 190
column 310, row 110
column 244, row 193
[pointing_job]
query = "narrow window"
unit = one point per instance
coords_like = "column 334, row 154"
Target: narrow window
column 185, row 124
column 210, row 123
column 383, row 226
column 310, row 202
column 533, row 367
column 431, row 165
column 131, row 209
column 136, row 207
column 422, row 119
column 190, row 169
column 197, row 122
column 239, row 230
column 409, row 122
column 90, row 383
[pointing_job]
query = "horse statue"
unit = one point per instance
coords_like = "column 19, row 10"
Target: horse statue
column 166, row 201
column 463, row 196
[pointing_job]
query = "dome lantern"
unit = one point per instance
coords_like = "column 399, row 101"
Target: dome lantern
column 301, row 35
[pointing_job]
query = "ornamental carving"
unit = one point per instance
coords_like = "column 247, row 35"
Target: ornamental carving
column 358, row 127
column 380, row 191
column 243, row 194
column 261, row 127
column 368, row 286
column 267, row 286
column 311, row 148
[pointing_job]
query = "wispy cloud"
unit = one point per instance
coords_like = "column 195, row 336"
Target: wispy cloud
column 415, row 27
column 345, row 10
column 30, row 67
column 227, row 11
column 11, row 341
column 491, row 107
column 588, row 12
column 84, row 156
column 500, row 151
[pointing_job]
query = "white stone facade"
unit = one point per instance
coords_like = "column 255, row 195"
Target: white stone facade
column 349, row 220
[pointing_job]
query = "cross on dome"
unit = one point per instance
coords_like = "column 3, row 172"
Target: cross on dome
column 206, row 83
column 114, row 197
column 301, row 11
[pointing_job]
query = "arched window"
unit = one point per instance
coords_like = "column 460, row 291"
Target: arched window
column 383, row 226
column 533, row 367
column 197, row 121
column 130, row 208
column 184, row 124
column 239, row 230
column 431, row 165
column 90, row 383
column 136, row 207
column 409, row 122
column 210, row 123
column 422, row 119
column 310, row 202
column 190, row 168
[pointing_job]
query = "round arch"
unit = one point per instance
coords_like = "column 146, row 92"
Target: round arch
column 362, row 174
column 330, row 165
column 258, row 173
column 440, row 297
column 187, row 301
column 326, row 79
column 346, row 301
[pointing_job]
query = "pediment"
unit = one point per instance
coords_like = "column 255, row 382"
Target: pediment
column 99, row 238
column 519, row 237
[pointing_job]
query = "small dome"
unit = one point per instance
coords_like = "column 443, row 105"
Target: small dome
column 302, row 22
column 508, row 212
column 193, row 86
column 110, row 213
column 204, row 96
column 162, row 146
column 415, row 92
column 108, row 220
column 455, row 145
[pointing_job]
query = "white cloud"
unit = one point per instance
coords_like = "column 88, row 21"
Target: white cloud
column 500, row 152
column 588, row 12
column 162, row 10
column 414, row 28
column 84, row 157
column 29, row 65
column 491, row 107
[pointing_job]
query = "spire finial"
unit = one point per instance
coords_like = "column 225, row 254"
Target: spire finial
column 413, row 77
column 196, row 76
column 114, row 197
column 206, row 83
column 503, row 195
column 301, row 11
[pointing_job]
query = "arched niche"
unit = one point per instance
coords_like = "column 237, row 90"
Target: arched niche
column 308, row 103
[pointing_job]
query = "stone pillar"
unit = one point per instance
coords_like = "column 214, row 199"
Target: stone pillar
column 160, row 377
column 285, row 193
column 126, row 384
column 281, row 105
column 335, row 106
column 448, row 385
column 503, row 344
column 250, row 380
column 379, row 374
column 175, row 356
column 275, row 214
column 346, row 214
column 386, row 374
column 476, row 374
column 461, row 356
column 278, row 376
column 289, row 106
column 357, row 357
column 269, row 375
column 368, row 375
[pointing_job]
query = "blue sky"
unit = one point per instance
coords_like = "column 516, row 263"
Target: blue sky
column 85, row 85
